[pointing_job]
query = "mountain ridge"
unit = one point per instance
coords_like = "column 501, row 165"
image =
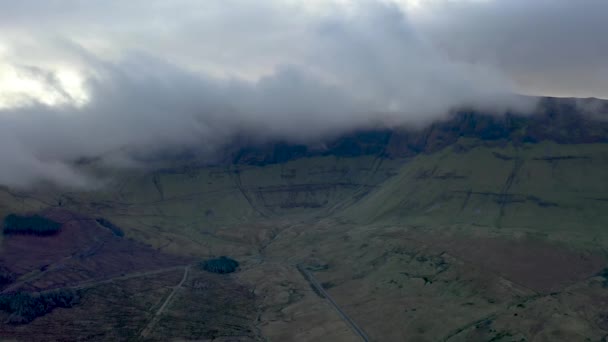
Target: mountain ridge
column 562, row 120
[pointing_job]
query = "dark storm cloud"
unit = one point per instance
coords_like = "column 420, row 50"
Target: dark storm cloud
column 163, row 76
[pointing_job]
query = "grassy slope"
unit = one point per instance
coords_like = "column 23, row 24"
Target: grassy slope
column 439, row 245
column 209, row 210
column 558, row 191
column 470, row 245
column 546, row 190
column 405, row 243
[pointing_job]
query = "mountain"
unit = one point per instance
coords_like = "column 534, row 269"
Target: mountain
column 480, row 227
column 560, row 120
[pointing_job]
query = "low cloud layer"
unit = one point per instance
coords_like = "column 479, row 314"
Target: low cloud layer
column 158, row 76
column 548, row 47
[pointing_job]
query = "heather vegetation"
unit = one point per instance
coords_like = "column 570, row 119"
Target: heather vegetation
column 24, row 307
column 220, row 265
column 34, row 224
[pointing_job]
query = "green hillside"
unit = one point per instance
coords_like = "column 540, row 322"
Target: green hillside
column 204, row 210
column 553, row 190
column 557, row 191
column 479, row 240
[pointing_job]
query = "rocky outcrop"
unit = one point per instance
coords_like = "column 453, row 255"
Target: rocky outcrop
column 564, row 121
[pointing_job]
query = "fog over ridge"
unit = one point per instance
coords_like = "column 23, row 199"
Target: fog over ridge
column 365, row 65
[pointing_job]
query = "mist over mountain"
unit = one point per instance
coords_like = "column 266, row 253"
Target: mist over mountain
column 560, row 120
column 307, row 74
column 304, row 170
column 374, row 71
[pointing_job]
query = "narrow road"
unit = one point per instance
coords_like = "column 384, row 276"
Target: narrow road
column 313, row 282
column 148, row 329
column 33, row 275
column 94, row 283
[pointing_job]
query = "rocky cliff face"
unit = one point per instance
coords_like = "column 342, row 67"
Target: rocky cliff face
column 565, row 121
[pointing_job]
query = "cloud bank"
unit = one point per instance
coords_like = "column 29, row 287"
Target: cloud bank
column 160, row 76
column 548, row 47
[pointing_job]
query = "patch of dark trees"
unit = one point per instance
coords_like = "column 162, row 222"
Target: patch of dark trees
column 6, row 277
column 221, row 265
column 30, row 225
column 111, row 226
column 24, row 307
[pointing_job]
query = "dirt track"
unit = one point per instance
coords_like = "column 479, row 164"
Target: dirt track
column 148, row 329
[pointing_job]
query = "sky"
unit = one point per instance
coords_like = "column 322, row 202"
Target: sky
column 125, row 79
